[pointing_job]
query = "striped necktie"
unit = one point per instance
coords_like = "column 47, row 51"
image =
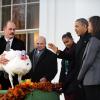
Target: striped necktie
column 7, row 46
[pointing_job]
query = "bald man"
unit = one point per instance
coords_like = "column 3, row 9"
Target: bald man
column 9, row 35
column 15, row 44
column 44, row 62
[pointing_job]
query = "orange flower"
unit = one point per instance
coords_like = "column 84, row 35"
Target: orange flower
column 20, row 91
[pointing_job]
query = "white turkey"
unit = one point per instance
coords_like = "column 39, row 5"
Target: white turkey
column 19, row 63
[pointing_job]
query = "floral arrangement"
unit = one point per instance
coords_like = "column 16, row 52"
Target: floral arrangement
column 21, row 90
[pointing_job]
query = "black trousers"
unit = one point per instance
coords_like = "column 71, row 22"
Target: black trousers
column 76, row 94
column 92, row 92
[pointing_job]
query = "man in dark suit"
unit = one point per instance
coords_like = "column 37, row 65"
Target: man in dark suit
column 81, row 28
column 14, row 43
column 44, row 62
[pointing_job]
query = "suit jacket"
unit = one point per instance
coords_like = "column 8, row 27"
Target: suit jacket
column 45, row 67
column 16, row 45
column 80, row 48
column 90, row 71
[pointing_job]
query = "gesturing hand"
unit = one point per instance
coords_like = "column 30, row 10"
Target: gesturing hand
column 53, row 47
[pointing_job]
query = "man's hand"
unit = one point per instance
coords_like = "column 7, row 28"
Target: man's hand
column 3, row 60
column 53, row 47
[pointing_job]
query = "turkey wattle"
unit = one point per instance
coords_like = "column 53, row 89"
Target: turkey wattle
column 19, row 63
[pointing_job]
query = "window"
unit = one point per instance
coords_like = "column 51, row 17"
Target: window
column 32, row 0
column 18, row 16
column 32, row 16
column 18, row 1
column 25, row 14
column 6, row 15
column 6, row 2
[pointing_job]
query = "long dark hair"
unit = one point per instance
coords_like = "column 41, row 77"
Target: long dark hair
column 95, row 22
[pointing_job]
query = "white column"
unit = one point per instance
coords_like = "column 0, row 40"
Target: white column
column 47, row 19
column 87, row 8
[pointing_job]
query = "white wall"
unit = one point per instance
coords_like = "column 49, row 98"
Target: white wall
column 87, row 8
column 58, row 16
